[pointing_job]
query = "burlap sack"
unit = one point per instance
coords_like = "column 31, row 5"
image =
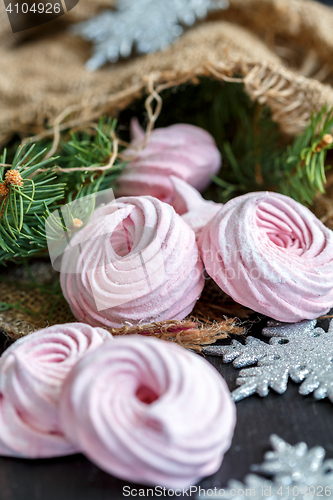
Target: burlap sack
column 280, row 49
column 43, row 75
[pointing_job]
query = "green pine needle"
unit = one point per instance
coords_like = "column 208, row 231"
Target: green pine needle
column 303, row 163
column 24, row 210
column 19, row 226
column 84, row 149
column 256, row 155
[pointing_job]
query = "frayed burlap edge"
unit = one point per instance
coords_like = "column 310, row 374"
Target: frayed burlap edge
column 218, row 50
column 292, row 98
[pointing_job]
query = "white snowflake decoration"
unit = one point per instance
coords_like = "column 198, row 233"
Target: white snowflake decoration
column 299, row 351
column 147, row 25
column 297, row 473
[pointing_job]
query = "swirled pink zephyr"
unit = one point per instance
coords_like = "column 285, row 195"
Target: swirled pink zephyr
column 186, row 151
column 270, row 253
column 149, row 411
column 135, row 262
column 32, row 372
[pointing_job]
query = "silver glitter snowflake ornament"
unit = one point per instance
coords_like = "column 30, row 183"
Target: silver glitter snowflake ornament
column 299, row 351
column 296, row 472
column 144, row 25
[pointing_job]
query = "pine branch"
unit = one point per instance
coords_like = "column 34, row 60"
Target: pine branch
column 256, row 155
column 26, row 196
column 91, row 150
column 263, row 163
column 303, row 164
column 297, row 170
column 25, row 208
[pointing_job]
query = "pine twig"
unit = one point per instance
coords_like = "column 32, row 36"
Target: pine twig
column 23, row 196
column 87, row 164
column 304, row 161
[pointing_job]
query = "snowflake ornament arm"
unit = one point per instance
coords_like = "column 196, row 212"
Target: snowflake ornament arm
column 146, row 25
column 292, row 468
column 299, row 351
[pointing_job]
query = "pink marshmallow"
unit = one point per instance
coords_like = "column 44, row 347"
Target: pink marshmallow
column 271, row 254
column 138, row 262
column 185, row 151
column 32, row 372
column 189, row 203
column 149, row 411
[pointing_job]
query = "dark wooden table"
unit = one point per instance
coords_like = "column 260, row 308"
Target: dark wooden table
column 293, row 417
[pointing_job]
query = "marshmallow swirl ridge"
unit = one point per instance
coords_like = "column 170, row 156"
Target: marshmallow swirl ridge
column 138, row 262
column 32, row 372
column 270, row 253
column 149, row 411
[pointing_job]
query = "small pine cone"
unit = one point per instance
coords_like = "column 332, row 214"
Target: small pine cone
column 326, row 141
column 77, row 223
column 13, row 178
column 3, row 189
